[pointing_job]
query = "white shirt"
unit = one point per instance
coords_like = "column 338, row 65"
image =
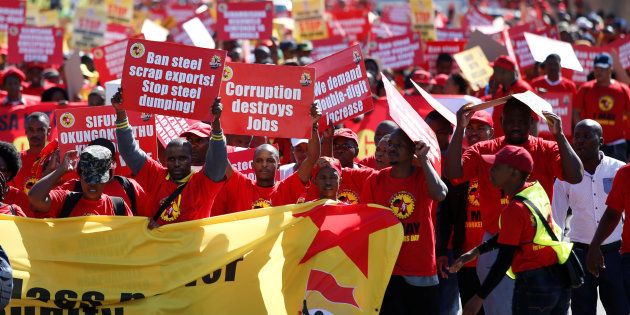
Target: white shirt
column 587, row 201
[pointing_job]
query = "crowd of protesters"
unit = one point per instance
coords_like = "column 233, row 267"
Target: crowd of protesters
column 472, row 239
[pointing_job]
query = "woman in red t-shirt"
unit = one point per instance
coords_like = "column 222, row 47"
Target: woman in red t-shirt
column 10, row 163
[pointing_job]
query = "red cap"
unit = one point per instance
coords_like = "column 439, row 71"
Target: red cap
column 326, row 161
column 422, row 76
column 513, row 156
column 13, row 71
column 346, row 133
column 199, row 129
column 505, row 62
column 482, row 117
column 441, row 79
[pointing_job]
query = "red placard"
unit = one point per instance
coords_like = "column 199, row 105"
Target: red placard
column 586, row 55
column 396, row 13
column 444, row 33
column 267, row 100
column 35, row 44
column 342, row 87
column 12, row 12
column 179, row 34
column 326, row 47
column 109, row 60
column 354, row 23
column 243, row 161
column 76, row 127
column 171, row 79
column 180, row 12
column 433, row 49
column 473, row 17
column 623, row 49
column 397, row 52
column 116, row 32
column 169, row 128
column 523, row 55
column 562, row 106
column 244, row 20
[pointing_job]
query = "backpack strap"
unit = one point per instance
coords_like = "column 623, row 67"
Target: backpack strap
column 540, row 216
column 77, row 187
column 72, row 198
column 129, row 190
column 13, row 212
column 119, row 206
column 168, row 201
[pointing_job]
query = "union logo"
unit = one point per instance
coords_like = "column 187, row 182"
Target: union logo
column 172, row 213
column 137, row 50
column 14, row 31
column 473, row 193
column 98, row 53
column 215, row 62
column 348, row 196
column 606, row 103
column 228, row 73
column 145, row 116
column 222, row 7
column 66, row 120
column 356, row 56
column 261, row 203
column 402, row 205
column 305, row 79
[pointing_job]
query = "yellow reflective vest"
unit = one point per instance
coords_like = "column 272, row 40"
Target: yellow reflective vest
column 536, row 195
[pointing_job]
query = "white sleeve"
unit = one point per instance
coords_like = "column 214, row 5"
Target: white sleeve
column 560, row 204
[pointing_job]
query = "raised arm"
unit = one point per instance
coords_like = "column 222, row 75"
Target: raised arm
column 572, row 168
column 39, row 194
column 129, row 150
column 454, row 167
column 435, row 186
column 305, row 169
column 216, row 157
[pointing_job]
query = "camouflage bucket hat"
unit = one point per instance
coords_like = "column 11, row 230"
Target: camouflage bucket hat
column 94, row 164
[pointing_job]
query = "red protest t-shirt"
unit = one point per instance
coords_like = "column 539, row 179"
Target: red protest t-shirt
column 84, row 207
column 241, row 193
column 352, row 182
column 619, row 200
column 518, row 227
column 6, row 209
column 564, row 86
column 606, row 105
column 369, row 161
column 519, row 86
column 28, row 159
column 409, row 201
column 473, row 226
column 547, row 167
column 194, row 202
column 20, row 198
column 115, row 188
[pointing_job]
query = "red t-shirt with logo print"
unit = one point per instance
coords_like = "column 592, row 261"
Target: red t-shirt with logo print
column 115, row 188
column 619, row 200
column 193, row 203
column 606, row 105
column 473, row 226
column 409, row 201
column 85, row 207
column 6, row 209
column 518, row 228
column 241, row 193
column 547, row 167
column 351, row 185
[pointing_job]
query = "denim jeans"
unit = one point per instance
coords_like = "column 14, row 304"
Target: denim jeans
column 611, row 287
column 625, row 266
column 542, row 291
column 449, row 291
column 6, row 279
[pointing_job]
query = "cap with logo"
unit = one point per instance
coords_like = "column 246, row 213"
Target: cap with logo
column 94, row 164
column 603, row 60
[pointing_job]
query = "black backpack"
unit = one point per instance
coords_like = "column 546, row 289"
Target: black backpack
column 72, row 198
column 127, row 186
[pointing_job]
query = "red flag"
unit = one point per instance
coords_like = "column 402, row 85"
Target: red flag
column 327, row 286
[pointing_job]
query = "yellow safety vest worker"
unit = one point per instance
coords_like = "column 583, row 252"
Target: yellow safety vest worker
column 536, row 195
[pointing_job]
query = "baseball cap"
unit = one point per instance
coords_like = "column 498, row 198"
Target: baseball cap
column 482, row 117
column 94, row 164
column 513, row 156
column 199, row 129
column 13, row 71
column 288, row 45
column 505, row 62
column 346, row 133
column 326, row 161
column 422, row 76
column 603, row 60
column 297, row 141
column 584, row 23
column 441, row 79
column 564, row 26
column 305, row 46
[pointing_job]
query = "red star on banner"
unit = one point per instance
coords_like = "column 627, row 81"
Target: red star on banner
column 349, row 227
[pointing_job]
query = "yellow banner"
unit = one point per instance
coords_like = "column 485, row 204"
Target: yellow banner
column 319, row 256
column 308, row 9
column 119, row 11
column 89, row 27
column 474, row 66
column 311, row 29
column 423, row 18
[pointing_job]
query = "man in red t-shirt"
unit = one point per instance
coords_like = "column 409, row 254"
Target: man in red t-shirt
column 175, row 193
column 198, row 134
column 618, row 203
column 95, row 170
column 384, row 128
column 606, row 101
column 507, row 76
column 242, row 193
column 37, row 133
column 536, row 267
column 551, row 159
column 409, row 189
column 553, row 81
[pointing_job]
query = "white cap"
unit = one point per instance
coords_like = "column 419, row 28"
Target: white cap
column 296, row 141
column 583, row 22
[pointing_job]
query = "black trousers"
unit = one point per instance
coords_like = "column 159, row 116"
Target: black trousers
column 402, row 298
